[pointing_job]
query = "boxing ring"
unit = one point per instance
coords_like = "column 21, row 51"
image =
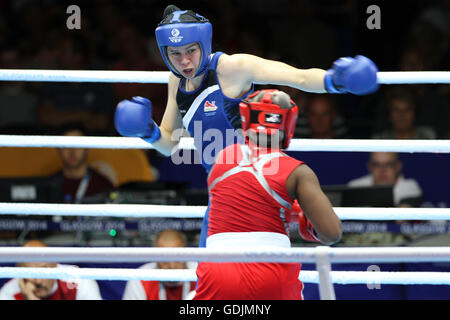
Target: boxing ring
column 322, row 256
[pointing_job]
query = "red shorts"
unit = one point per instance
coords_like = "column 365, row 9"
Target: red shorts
column 248, row 281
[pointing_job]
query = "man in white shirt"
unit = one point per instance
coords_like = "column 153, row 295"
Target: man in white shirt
column 48, row 289
column 386, row 169
column 156, row 290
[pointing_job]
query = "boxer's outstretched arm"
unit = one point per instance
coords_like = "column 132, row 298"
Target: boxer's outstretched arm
column 347, row 75
column 246, row 69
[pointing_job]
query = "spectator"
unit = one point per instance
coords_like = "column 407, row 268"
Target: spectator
column 321, row 120
column 386, row 169
column 48, row 289
column 79, row 180
column 155, row 290
column 402, row 108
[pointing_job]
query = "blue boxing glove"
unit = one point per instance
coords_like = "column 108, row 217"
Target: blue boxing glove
column 355, row 75
column 134, row 119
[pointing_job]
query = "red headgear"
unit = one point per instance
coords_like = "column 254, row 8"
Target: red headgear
column 267, row 111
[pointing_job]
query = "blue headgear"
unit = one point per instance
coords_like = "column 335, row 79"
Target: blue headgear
column 180, row 28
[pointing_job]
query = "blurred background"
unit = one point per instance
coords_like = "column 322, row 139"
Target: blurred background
column 119, row 35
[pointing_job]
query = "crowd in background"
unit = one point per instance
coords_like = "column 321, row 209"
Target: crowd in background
column 117, row 35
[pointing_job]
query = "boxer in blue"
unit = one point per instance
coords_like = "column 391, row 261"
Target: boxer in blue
column 205, row 88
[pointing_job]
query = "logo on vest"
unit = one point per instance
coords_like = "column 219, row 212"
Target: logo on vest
column 209, row 106
column 175, row 36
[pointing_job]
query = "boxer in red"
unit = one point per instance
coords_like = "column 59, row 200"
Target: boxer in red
column 253, row 189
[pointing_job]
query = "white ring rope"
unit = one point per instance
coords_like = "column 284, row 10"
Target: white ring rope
column 103, row 210
column 167, row 211
column 413, row 77
column 398, row 77
column 306, row 276
column 330, row 145
column 84, row 76
column 27, row 141
column 229, row 254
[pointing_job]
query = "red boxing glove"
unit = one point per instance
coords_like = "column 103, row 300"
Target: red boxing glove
column 305, row 227
column 295, row 211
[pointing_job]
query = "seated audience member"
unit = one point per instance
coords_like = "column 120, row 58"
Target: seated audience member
column 155, row 290
column 48, row 289
column 321, row 120
column 79, row 180
column 386, row 169
column 402, row 108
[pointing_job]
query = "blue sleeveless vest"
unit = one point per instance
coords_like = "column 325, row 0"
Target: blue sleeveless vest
column 209, row 116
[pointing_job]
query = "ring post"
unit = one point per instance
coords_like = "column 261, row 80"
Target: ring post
column 323, row 266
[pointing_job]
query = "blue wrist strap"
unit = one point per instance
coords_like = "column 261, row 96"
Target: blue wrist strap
column 155, row 136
